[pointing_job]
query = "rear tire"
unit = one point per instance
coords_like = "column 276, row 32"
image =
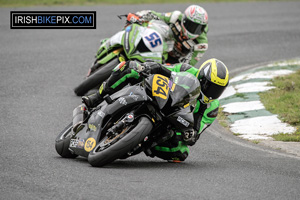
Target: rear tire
column 105, row 153
column 96, row 78
column 62, row 143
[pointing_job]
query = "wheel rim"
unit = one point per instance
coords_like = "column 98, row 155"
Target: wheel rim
column 108, row 141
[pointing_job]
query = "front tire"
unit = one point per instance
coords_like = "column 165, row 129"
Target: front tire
column 62, row 143
column 96, row 78
column 106, row 152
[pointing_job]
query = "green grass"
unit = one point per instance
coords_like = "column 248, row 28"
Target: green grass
column 222, row 118
column 240, row 95
column 284, row 101
column 287, row 137
column 24, row 3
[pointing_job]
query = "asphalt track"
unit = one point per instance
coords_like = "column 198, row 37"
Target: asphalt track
column 39, row 68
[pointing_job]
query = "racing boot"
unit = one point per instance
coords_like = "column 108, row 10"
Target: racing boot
column 92, row 100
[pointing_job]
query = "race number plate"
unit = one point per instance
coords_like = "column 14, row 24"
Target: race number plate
column 160, row 87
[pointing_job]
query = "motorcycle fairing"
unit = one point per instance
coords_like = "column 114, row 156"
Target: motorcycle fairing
column 129, row 38
column 136, row 35
column 182, row 119
column 110, row 56
column 114, row 42
column 125, row 98
column 159, row 86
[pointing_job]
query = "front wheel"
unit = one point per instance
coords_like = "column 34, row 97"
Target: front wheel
column 110, row 149
column 96, row 78
column 62, row 142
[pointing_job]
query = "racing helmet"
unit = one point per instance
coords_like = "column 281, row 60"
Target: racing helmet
column 194, row 21
column 214, row 77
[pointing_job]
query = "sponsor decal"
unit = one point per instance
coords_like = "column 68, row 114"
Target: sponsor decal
column 121, row 59
column 133, row 96
column 101, row 113
column 186, row 45
column 133, row 36
column 101, row 89
column 120, row 66
column 200, row 47
column 92, row 127
column 80, row 143
column 122, row 101
column 178, row 26
column 175, row 30
column 126, row 39
column 128, row 28
column 191, row 43
column 77, row 143
column 73, row 142
column 53, row 19
column 130, row 116
column 183, row 121
column 89, row 144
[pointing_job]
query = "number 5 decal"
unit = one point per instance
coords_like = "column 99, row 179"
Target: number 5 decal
column 154, row 39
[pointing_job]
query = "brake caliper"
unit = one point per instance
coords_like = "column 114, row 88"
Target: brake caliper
column 114, row 130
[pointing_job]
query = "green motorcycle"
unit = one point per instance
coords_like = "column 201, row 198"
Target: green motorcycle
column 141, row 42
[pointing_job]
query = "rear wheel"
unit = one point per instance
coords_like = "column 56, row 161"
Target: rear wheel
column 96, row 78
column 112, row 148
column 62, row 142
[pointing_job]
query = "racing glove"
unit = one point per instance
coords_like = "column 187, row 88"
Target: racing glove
column 146, row 15
column 133, row 18
column 155, row 68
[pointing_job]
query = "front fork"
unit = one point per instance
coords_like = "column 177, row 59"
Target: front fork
column 120, row 125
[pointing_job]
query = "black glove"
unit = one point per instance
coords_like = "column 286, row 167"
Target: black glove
column 150, row 67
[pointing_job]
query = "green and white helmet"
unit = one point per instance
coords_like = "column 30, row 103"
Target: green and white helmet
column 194, row 21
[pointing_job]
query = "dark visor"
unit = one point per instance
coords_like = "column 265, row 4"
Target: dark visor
column 211, row 90
column 192, row 27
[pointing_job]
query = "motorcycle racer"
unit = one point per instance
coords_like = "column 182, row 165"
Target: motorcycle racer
column 213, row 76
column 189, row 32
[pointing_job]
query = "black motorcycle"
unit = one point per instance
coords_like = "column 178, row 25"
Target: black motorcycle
column 132, row 120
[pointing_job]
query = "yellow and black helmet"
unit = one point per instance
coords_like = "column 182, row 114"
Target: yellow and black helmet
column 213, row 76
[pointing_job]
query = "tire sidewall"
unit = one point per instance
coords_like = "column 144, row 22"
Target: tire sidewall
column 62, row 145
column 124, row 145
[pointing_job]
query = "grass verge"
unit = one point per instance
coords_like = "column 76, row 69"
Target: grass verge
column 222, row 118
column 284, row 100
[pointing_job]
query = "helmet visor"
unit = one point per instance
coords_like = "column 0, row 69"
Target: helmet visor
column 211, row 90
column 193, row 27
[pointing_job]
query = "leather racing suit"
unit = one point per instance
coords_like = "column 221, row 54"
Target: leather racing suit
column 175, row 148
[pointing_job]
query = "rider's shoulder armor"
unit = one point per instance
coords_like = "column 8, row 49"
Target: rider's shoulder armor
column 175, row 16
